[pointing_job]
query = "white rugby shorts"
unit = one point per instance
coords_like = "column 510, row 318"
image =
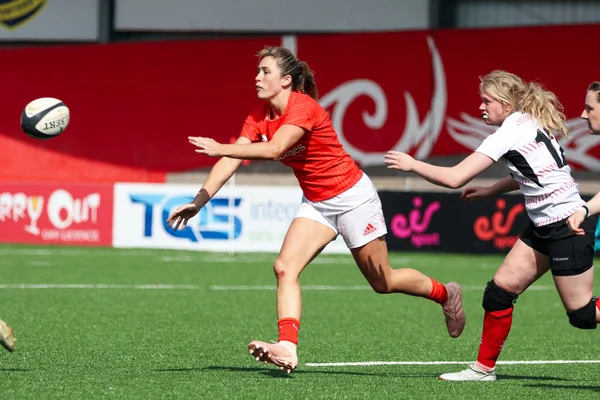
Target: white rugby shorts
column 355, row 214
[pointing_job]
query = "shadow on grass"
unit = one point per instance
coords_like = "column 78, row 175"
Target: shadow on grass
column 504, row 377
column 276, row 373
column 14, row 370
column 593, row 388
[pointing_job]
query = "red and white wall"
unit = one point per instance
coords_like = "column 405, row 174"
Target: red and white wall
column 134, row 104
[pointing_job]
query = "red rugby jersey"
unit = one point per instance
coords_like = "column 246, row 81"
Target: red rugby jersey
column 320, row 163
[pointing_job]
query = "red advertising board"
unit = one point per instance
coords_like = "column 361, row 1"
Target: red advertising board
column 133, row 105
column 56, row 214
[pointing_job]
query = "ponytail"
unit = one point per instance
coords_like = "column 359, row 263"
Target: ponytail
column 306, row 81
column 544, row 106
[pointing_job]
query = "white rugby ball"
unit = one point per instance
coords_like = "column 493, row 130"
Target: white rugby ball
column 45, row 118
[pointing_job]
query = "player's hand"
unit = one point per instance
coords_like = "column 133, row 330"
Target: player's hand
column 475, row 192
column 207, row 146
column 182, row 215
column 398, row 160
column 575, row 220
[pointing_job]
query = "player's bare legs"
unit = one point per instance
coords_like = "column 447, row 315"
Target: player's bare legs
column 304, row 240
column 7, row 338
column 521, row 267
column 373, row 261
column 576, row 291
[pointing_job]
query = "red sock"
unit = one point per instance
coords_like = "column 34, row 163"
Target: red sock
column 496, row 326
column 598, row 304
column 288, row 329
column 439, row 294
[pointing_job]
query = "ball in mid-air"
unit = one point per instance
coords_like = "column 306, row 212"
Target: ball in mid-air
column 45, row 118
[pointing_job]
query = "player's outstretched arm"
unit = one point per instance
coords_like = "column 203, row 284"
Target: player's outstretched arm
column 282, row 140
column 219, row 174
column 504, row 185
column 450, row 177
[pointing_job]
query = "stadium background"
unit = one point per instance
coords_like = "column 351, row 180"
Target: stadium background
column 106, row 319
column 139, row 77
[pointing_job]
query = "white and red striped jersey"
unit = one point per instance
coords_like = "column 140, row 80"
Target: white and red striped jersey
column 535, row 160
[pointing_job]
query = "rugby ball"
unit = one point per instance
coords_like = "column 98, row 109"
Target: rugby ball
column 45, row 118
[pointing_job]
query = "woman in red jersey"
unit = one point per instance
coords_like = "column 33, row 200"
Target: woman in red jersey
column 290, row 126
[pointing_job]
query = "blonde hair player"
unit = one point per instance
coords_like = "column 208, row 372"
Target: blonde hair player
column 291, row 127
column 528, row 119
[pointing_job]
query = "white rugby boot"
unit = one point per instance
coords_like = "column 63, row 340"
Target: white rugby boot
column 470, row 374
column 275, row 353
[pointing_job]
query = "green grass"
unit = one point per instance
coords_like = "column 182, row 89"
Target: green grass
column 191, row 343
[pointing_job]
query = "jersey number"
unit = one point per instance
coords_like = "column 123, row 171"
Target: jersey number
column 543, row 138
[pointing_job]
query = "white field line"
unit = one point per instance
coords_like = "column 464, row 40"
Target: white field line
column 182, row 258
column 199, row 287
column 39, row 263
column 268, row 261
column 100, row 286
column 357, row 287
column 75, row 252
column 374, row 363
column 191, row 256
